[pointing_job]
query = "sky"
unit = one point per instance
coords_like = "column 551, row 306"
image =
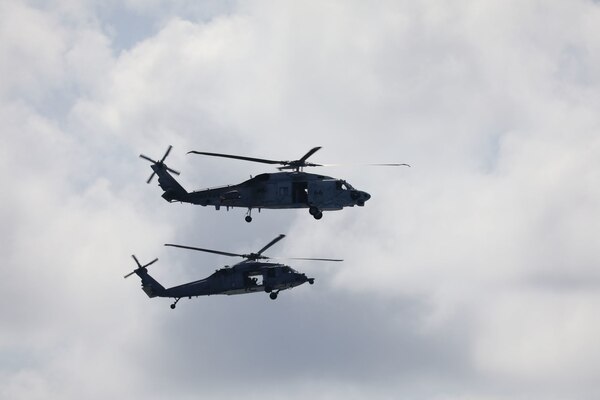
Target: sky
column 471, row 275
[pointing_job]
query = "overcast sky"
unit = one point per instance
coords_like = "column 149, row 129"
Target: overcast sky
column 472, row 275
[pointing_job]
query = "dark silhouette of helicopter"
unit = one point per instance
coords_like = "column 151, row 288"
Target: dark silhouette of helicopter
column 248, row 276
column 289, row 188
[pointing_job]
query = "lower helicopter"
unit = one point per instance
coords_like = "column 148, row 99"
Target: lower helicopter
column 248, row 276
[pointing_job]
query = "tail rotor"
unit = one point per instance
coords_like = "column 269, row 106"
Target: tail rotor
column 159, row 164
column 140, row 266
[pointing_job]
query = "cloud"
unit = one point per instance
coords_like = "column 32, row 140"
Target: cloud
column 470, row 275
column 31, row 49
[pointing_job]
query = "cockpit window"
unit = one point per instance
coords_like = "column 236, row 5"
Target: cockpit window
column 343, row 185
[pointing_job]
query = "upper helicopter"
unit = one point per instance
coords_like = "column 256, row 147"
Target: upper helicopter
column 289, row 188
column 248, row 276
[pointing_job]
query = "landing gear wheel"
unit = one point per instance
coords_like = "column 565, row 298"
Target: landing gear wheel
column 175, row 303
column 312, row 210
column 318, row 215
column 273, row 295
column 248, row 218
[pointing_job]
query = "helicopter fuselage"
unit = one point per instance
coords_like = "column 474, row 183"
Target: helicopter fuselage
column 242, row 278
column 290, row 188
column 277, row 190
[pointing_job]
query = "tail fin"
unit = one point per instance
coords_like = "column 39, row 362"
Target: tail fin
column 173, row 190
column 149, row 284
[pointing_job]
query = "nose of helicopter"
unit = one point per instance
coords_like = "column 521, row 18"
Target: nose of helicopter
column 362, row 197
column 307, row 279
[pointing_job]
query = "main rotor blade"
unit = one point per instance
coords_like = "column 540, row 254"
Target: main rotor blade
column 388, row 165
column 314, row 259
column 223, row 253
column 310, row 153
column 271, row 243
column 366, row 165
column 259, row 160
column 129, row 274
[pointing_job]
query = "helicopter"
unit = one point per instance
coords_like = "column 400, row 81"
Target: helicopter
column 248, row 276
column 289, row 188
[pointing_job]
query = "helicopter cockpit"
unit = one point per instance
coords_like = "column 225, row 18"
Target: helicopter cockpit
column 341, row 184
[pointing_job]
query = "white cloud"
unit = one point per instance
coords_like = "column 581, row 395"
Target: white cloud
column 470, row 275
column 31, row 48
